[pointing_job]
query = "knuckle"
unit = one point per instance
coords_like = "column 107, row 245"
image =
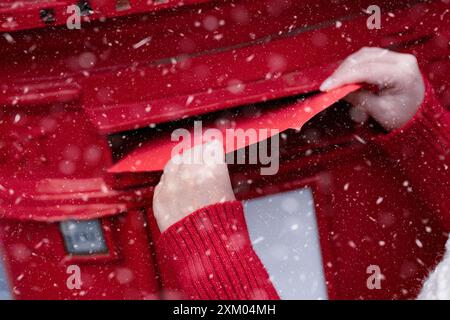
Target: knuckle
column 159, row 186
column 411, row 60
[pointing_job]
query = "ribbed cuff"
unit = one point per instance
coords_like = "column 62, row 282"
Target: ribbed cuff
column 427, row 131
column 208, row 255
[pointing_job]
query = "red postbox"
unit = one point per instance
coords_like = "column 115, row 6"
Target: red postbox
column 75, row 102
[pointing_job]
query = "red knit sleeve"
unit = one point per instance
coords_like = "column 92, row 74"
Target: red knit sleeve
column 422, row 149
column 208, row 255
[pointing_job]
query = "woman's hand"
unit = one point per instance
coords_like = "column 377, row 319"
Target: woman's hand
column 186, row 186
column 397, row 76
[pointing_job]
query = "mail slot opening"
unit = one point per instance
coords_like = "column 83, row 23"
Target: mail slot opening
column 83, row 237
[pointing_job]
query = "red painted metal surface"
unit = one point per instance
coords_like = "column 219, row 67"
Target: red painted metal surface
column 68, row 96
column 154, row 155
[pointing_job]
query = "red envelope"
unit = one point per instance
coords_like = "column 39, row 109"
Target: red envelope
column 154, row 155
